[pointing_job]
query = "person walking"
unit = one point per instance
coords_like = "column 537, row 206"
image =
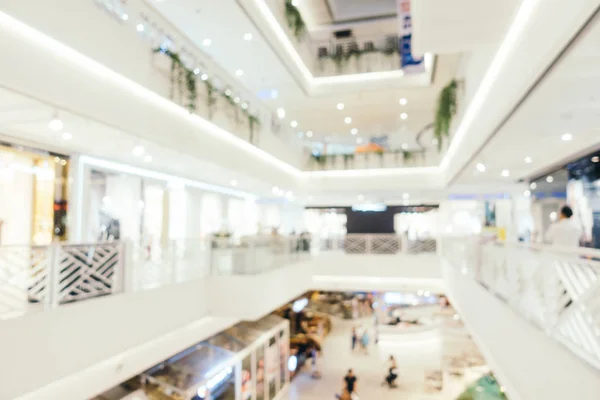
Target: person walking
column 354, row 338
column 364, row 341
column 350, row 385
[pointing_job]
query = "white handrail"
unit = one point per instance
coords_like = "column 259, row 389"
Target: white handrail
column 556, row 288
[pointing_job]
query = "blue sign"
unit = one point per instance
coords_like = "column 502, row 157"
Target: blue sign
column 408, row 62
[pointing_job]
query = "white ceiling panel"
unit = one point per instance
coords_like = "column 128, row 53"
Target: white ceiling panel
column 443, row 27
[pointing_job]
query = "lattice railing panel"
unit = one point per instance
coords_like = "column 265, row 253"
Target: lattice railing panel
column 23, row 278
column 88, row 271
column 391, row 244
column 357, row 244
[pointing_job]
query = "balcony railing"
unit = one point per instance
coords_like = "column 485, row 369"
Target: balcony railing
column 42, row 277
column 378, row 244
column 388, row 159
column 557, row 289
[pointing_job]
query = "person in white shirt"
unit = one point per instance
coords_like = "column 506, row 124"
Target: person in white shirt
column 565, row 231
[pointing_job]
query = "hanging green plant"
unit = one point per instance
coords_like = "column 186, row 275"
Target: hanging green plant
column 407, row 156
column 179, row 69
column 294, row 20
column 348, row 158
column 211, row 98
column 253, row 122
column 320, row 159
column 445, row 112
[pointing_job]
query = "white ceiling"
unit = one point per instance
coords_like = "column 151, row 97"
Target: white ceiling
column 444, row 27
column 566, row 101
column 373, row 113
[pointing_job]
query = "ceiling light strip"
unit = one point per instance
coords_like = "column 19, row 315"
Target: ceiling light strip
column 515, row 32
column 70, row 55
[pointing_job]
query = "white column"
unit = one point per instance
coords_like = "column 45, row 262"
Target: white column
column 79, row 181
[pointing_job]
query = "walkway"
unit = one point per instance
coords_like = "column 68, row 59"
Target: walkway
column 413, row 361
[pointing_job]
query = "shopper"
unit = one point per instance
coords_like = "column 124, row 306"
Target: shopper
column 364, row 341
column 354, row 338
column 392, row 375
column 350, row 382
column 565, row 231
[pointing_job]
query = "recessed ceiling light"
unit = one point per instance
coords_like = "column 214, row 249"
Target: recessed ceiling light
column 404, row 146
column 294, row 124
column 480, row 167
column 528, row 160
column 63, row 162
column 204, row 77
column 404, row 116
column 140, row 27
column 245, row 106
column 56, row 124
column 148, row 158
column 309, row 134
column 248, row 36
column 124, row 17
column 549, row 179
column 354, row 131
column 533, row 185
column 595, row 159
column 340, row 106
column 67, row 136
column 505, row 172
column 138, row 150
column 236, row 100
column 206, row 42
column 527, row 193
column 281, row 113
column 403, row 101
column 566, row 137
column 348, row 120
column 239, row 72
column 196, row 71
column 234, row 183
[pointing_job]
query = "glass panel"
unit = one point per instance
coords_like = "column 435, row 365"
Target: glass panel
column 272, row 357
column 283, row 350
column 184, row 371
column 260, row 373
column 224, row 385
column 247, row 383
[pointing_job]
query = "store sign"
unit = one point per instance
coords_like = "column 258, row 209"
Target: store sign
column 369, row 207
column 409, row 63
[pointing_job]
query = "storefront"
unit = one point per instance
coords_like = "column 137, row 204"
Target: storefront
column 247, row 361
column 116, row 201
column 33, row 207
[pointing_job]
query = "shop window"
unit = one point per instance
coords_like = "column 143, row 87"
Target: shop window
column 247, row 382
column 260, row 374
column 272, row 357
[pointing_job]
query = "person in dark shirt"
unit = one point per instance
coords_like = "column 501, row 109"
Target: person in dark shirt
column 350, row 382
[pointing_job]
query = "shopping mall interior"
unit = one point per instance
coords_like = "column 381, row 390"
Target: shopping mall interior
column 299, row 200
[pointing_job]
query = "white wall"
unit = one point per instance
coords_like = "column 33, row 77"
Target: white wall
column 122, row 201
